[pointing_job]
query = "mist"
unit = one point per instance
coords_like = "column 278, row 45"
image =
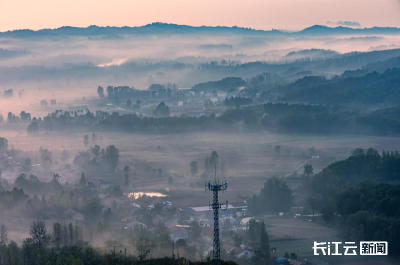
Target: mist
column 109, row 135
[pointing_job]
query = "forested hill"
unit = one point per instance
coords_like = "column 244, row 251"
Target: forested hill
column 372, row 88
column 356, row 195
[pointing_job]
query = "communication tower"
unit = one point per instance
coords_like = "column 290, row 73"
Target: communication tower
column 216, row 187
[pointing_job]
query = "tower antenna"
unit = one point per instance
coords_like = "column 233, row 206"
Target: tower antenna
column 215, row 206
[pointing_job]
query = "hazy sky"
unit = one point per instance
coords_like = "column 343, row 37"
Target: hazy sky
column 259, row 14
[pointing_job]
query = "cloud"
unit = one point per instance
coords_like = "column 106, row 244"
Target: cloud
column 345, row 23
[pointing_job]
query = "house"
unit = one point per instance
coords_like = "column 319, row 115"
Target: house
column 135, row 223
column 228, row 248
column 101, row 196
column 241, row 252
column 207, row 231
column 203, row 211
column 178, row 232
column 76, row 216
column 180, row 103
column 99, row 183
column 245, row 221
column 239, row 228
column 126, row 219
column 110, row 200
column 280, row 259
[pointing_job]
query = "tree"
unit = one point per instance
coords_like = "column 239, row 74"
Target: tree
column 65, row 155
column 126, row 170
column 308, row 169
column 44, row 202
column 100, row 91
column 71, row 234
column 25, row 117
column 193, row 168
column 264, row 244
column 28, row 162
column 86, row 139
column 237, row 240
column 162, row 110
column 137, row 105
column 328, row 211
column 277, row 149
column 128, row 103
column 276, row 196
column 314, row 204
column 312, row 151
column 195, row 230
column 213, row 160
column 94, row 137
column 3, row 144
column 180, row 243
column 57, row 234
column 45, row 156
column 38, row 234
column 108, row 214
column 43, row 103
column 82, row 181
column 3, row 235
column 112, row 157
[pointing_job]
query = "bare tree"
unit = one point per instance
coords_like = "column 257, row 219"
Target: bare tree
column 38, row 233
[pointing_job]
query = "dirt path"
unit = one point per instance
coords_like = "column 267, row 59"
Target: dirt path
column 297, row 168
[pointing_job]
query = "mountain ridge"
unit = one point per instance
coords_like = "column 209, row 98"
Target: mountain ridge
column 162, row 28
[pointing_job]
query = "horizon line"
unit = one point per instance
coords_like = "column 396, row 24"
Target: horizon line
column 202, row 26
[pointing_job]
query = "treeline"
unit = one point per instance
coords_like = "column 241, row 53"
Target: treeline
column 117, row 94
column 282, row 117
column 104, row 121
column 352, row 195
column 318, row 119
column 225, row 84
column 274, row 197
column 23, row 118
column 237, row 101
column 370, row 212
column 362, row 165
column 372, row 88
column 64, row 246
column 121, row 92
column 98, row 159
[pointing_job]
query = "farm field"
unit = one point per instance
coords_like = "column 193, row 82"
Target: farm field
column 281, row 228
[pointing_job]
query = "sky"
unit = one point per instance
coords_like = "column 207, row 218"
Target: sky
column 257, row 14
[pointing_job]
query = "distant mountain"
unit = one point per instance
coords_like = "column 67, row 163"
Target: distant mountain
column 324, row 30
column 312, row 54
column 165, row 28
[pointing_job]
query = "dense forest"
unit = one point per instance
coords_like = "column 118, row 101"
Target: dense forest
column 354, row 195
column 372, row 89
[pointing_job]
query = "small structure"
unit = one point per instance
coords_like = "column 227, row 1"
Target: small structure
column 241, row 252
column 76, row 216
column 135, row 223
column 178, row 232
